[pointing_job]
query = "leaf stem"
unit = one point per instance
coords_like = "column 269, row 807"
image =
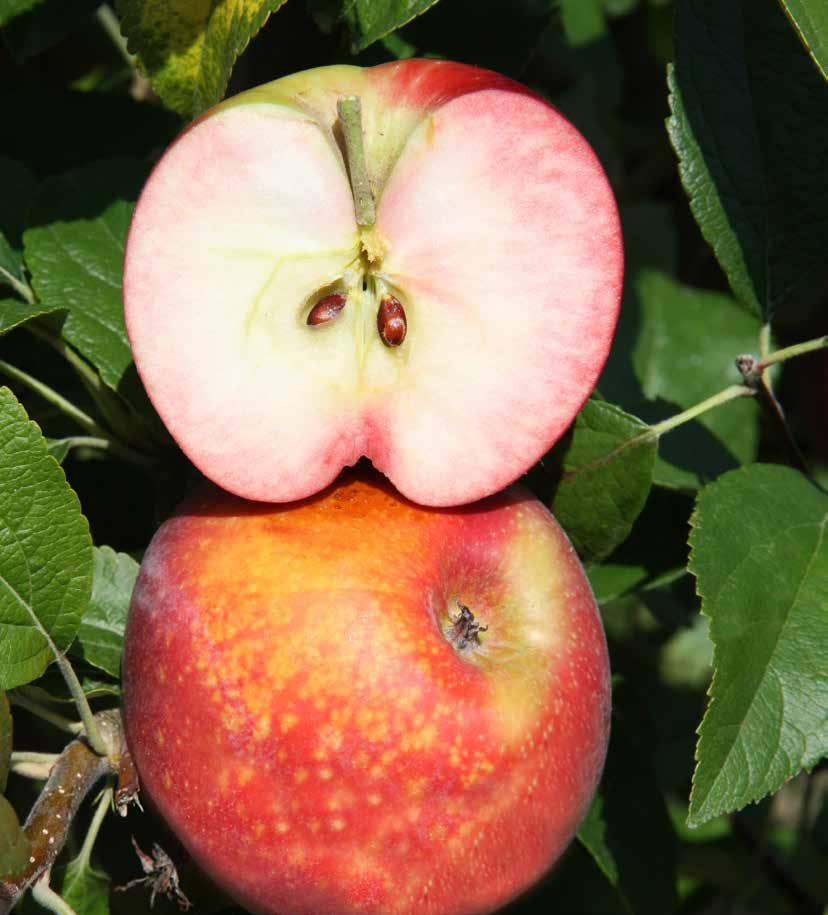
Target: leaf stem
column 109, row 23
column 46, row 714
column 33, row 765
column 93, row 735
column 83, row 419
column 791, row 352
column 85, row 441
column 672, row 422
column 43, row 894
column 764, row 340
column 104, row 805
column 730, row 393
column 27, row 757
column 349, row 109
column 22, row 288
column 107, row 401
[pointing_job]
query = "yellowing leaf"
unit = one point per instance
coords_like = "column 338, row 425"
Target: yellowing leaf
column 188, row 47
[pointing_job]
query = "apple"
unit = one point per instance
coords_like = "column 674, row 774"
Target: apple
column 445, row 313
column 354, row 704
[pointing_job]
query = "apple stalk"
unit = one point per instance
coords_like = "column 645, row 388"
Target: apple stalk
column 349, row 109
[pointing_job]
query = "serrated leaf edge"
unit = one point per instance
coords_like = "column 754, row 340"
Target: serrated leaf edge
column 695, row 525
column 50, row 644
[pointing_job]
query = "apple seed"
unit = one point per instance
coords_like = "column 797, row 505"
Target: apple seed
column 391, row 321
column 327, row 309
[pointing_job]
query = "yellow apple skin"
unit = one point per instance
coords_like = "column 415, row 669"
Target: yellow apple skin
column 303, row 711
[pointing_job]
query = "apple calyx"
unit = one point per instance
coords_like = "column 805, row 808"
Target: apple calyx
column 464, row 631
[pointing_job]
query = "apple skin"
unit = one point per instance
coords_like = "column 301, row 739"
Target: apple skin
column 496, row 229
column 299, row 714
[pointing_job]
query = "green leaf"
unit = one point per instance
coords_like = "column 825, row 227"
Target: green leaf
column 750, row 126
column 58, row 448
column 810, row 19
column 101, row 634
column 188, row 49
column 370, row 20
column 13, row 313
column 685, row 351
column 74, row 248
column 5, row 740
column 592, row 834
column 45, row 551
column 760, row 556
column 85, row 889
column 14, row 846
column 583, row 21
column 11, row 8
column 602, row 471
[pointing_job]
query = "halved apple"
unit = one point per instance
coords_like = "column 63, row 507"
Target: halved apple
column 442, row 304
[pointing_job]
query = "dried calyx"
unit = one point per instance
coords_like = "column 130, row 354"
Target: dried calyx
column 464, row 630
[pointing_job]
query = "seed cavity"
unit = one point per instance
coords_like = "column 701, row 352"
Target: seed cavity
column 326, row 309
column 391, row 322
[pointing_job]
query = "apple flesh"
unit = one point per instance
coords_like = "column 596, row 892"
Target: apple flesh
column 495, row 231
column 355, row 704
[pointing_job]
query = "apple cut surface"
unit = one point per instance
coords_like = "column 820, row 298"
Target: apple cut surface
column 354, row 704
column 496, row 235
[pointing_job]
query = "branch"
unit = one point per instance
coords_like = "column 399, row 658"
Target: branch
column 77, row 770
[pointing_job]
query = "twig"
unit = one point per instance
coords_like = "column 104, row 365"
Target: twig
column 47, row 826
column 77, row 770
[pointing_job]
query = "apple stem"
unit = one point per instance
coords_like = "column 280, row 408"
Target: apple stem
column 349, row 109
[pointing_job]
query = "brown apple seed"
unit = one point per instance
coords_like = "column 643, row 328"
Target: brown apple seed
column 326, row 309
column 391, row 321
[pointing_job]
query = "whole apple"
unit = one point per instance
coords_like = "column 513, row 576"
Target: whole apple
column 354, row 704
column 433, row 283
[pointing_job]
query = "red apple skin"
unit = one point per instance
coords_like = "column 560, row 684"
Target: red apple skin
column 299, row 715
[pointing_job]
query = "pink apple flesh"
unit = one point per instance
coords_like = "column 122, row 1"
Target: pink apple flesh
column 496, row 229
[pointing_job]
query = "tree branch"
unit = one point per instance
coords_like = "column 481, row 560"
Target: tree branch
column 77, row 770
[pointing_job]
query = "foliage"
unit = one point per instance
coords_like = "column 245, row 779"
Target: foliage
column 690, row 491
